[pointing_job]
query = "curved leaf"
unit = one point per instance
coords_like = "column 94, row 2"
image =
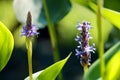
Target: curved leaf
column 112, row 16
column 95, row 67
column 6, row 45
column 51, row 72
column 113, row 68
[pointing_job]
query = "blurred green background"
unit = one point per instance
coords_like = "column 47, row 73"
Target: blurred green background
column 16, row 68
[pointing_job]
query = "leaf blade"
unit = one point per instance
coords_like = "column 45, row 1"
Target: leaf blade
column 112, row 16
column 6, row 45
column 113, row 67
column 52, row 71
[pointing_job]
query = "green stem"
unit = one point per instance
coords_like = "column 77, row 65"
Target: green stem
column 52, row 33
column 85, row 69
column 100, row 38
column 52, row 36
column 29, row 47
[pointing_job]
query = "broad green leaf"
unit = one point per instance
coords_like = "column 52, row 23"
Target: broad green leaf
column 51, row 72
column 113, row 67
column 78, row 13
column 112, row 16
column 95, row 67
column 6, row 45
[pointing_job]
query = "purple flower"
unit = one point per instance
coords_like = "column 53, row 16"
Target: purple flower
column 29, row 30
column 83, row 49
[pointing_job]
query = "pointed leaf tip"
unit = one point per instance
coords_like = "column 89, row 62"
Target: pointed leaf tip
column 51, row 72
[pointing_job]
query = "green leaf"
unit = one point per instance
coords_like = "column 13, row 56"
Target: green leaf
column 6, row 45
column 112, row 16
column 113, row 67
column 51, row 72
column 112, row 4
column 95, row 67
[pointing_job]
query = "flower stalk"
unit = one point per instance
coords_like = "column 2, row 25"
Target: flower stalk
column 52, row 33
column 100, row 38
column 52, row 36
column 29, row 31
column 29, row 53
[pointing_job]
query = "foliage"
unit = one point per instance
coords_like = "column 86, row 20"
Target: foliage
column 6, row 45
column 64, row 14
column 50, row 72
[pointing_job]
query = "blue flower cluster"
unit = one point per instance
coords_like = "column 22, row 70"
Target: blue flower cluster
column 29, row 30
column 83, row 49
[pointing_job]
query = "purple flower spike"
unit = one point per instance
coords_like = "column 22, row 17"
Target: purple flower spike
column 83, row 49
column 29, row 30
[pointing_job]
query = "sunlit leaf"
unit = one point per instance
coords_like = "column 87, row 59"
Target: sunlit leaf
column 95, row 67
column 113, row 67
column 51, row 72
column 6, row 45
column 111, row 15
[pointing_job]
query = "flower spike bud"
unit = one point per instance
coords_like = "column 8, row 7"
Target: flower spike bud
column 29, row 30
column 29, row 19
column 83, row 50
